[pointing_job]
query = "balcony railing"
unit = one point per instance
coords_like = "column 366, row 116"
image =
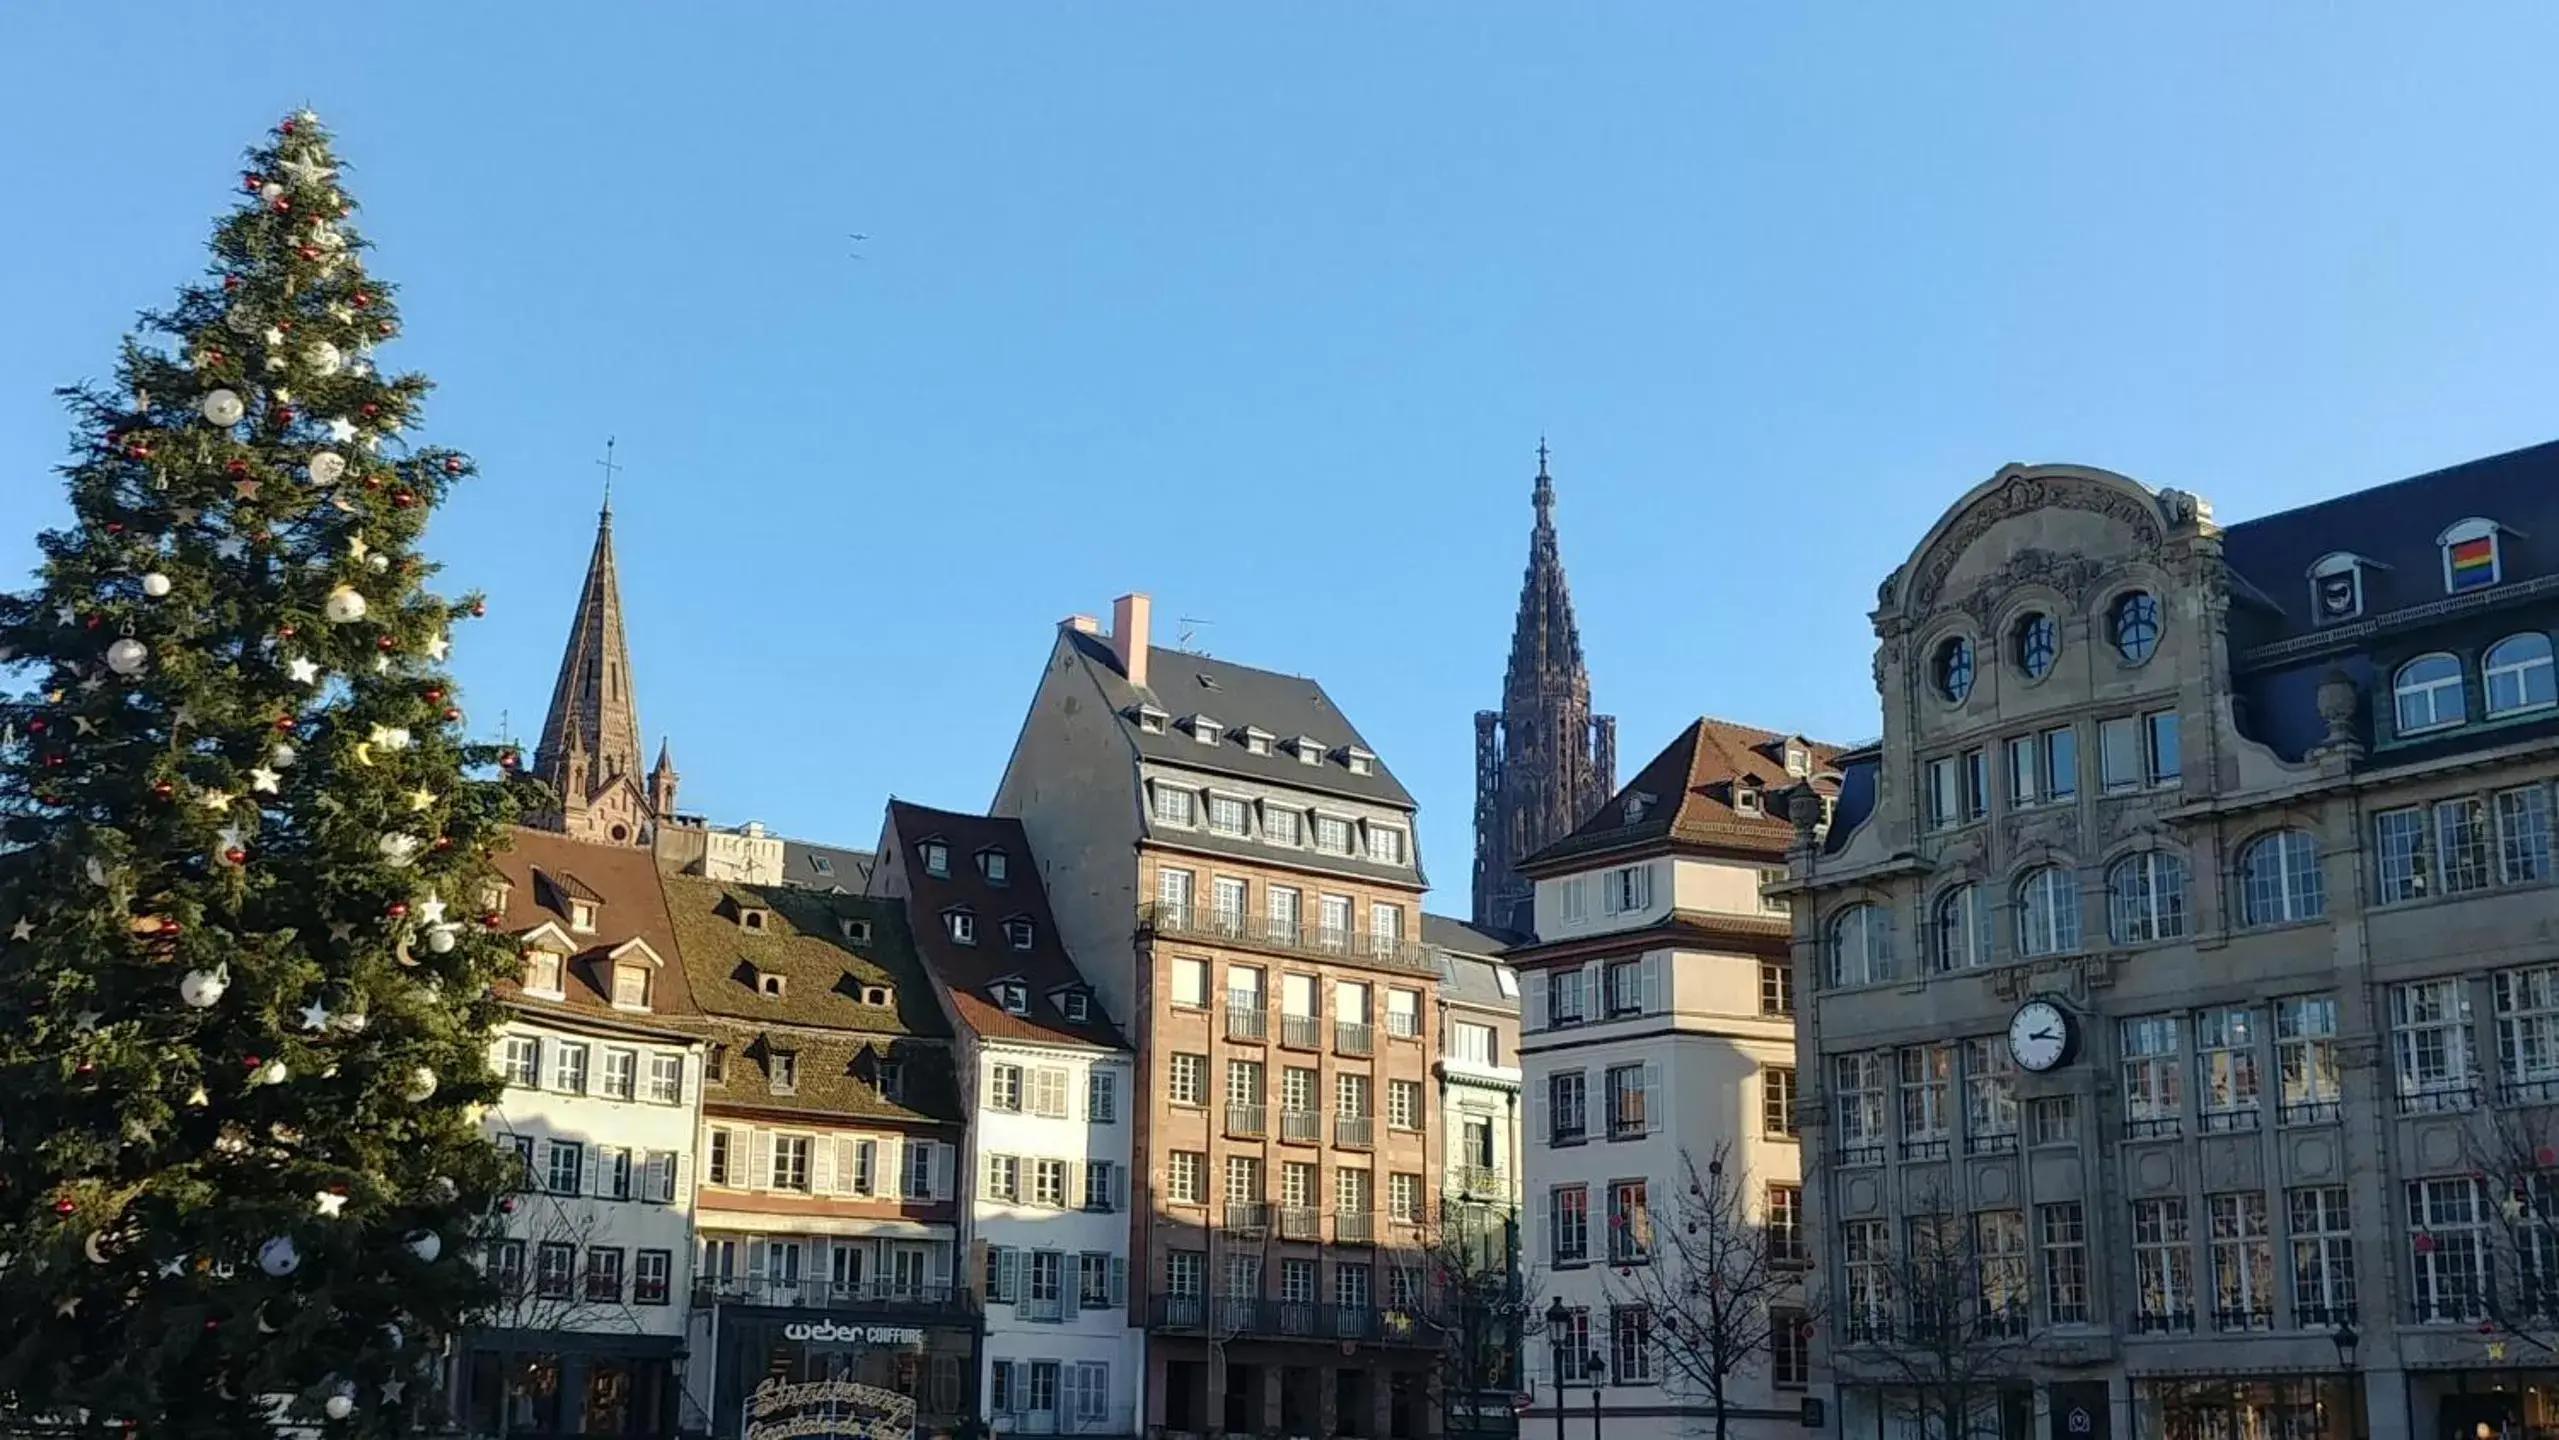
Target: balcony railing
column 1478, row 1180
column 1352, row 1038
column 1248, row 1122
column 1283, row 937
column 1305, row 1125
column 1292, row 1320
column 1301, row 1222
column 1354, row 1227
column 1108, row 1420
column 881, row 1296
column 1302, row 1032
column 1355, row 1132
column 1247, row 1021
column 1049, row 1307
column 1246, row 1216
column 1403, row 1026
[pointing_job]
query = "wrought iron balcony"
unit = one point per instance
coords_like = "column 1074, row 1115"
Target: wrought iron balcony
column 869, row 1297
column 1241, row 1317
column 1302, row 1032
column 1354, row 1132
column 1301, row 1222
column 1246, row 1216
column 1247, row 1020
column 1354, row 1227
column 1284, row 937
column 1478, row 1180
column 1352, row 1038
column 1303, row 1125
column 1248, row 1122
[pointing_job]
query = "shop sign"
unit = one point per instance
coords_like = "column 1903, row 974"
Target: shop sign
column 825, row 1331
column 828, row 1410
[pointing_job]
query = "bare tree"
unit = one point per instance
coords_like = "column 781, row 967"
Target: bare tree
column 1720, row 1277
column 2486, row 1250
column 1936, row 1323
column 1483, row 1306
column 533, row 1301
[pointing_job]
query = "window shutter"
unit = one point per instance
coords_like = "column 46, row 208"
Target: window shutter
column 945, row 1157
column 1532, row 1000
column 1541, row 1244
column 1070, row 1282
column 755, row 1258
column 975, row 1284
column 821, row 1167
column 1119, row 1281
column 1652, row 984
column 1119, row 1188
column 986, row 1178
column 1594, row 992
column 759, row 1150
column 1008, row 1271
column 1074, row 1184
column 1537, row 1112
column 1654, row 1099
column 888, row 1173
column 941, row 1263
column 679, row 1179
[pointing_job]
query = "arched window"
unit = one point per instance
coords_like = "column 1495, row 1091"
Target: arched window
column 2048, row 912
column 2035, row 641
column 2519, row 676
column 2279, row 880
column 2133, row 624
column 1859, row 946
column 2427, row 692
column 1952, row 669
column 1959, row 929
column 2146, row 899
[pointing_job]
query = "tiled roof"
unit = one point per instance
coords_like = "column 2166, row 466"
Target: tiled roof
column 837, row 1073
column 826, row 867
column 1182, row 684
column 622, row 884
column 1447, row 932
column 1476, row 980
column 1685, row 795
column 2396, row 526
column 1045, row 970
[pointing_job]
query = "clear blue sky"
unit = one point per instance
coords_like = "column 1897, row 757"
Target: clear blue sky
column 1262, row 308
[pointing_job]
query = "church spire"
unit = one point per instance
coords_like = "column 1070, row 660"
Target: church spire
column 591, row 735
column 1543, row 763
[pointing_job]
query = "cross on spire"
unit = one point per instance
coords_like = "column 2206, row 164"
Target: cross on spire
column 1541, row 456
column 610, row 470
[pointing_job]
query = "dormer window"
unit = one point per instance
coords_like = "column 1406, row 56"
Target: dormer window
column 782, row 1068
column 1360, row 762
column 1799, row 761
column 770, row 985
column 1636, row 804
column 962, row 925
column 751, row 918
column 2472, row 558
column 1174, row 805
column 1151, row 720
column 856, row 930
column 937, row 859
column 1746, row 801
column 1307, row 749
column 582, row 917
column 1386, row 844
column 1073, row 1005
column 990, row 863
column 630, row 986
column 494, row 897
column 1203, row 729
column 1016, row 999
column 891, row 1080
column 542, row 971
column 2337, row 587
column 1257, row 741
column 1019, row 933
column 715, row 1065
column 879, row 997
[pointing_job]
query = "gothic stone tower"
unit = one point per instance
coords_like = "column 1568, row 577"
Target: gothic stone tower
column 590, row 746
column 1543, row 762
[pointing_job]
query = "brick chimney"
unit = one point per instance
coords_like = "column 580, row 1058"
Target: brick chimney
column 1081, row 624
column 1129, row 615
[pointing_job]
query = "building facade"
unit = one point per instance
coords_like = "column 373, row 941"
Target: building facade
column 1543, row 762
column 1234, row 871
column 2177, row 963
column 603, row 1094
column 1049, row 1146
column 828, row 1218
column 1658, row 1049
column 1483, row 1287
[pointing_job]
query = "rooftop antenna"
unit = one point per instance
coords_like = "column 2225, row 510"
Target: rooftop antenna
column 1190, row 626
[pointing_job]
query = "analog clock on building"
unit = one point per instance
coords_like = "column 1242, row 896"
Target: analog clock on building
column 2040, row 1036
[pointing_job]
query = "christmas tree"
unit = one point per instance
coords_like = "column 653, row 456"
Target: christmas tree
column 243, row 855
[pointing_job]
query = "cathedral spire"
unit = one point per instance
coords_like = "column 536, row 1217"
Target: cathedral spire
column 1543, row 762
column 591, row 735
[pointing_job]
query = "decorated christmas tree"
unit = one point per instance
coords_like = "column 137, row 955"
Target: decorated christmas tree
column 243, row 857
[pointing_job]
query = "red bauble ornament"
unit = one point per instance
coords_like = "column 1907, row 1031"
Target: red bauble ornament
column 66, row 1205
column 284, row 323
column 452, row 465
column 36, row 726
column 251, row 1063
column 452, row 715
column 236, row 468
column 285, row 129
column 479, row 608
column 507, row 760
column 371, row 409
column 404, row 500
column 493, row 920
column 310, row 252
column 433, row 695
column 83, row 1068
column 443, row 842
column 284, row 724
column 95, row 621
column 53, row 762
column 236, row 855
column 230, row 282
column 399, row 910
column 115, row 527
column 137, row 451
column 385, row 330
column 210, row 1325
column 362, row 299
column 164, row 789
column 384, row 642
column 284, row 414
column 281, row 204
column 507, row 1205
column 284, row 631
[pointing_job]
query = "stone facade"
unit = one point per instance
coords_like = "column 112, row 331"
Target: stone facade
column 2262, row 815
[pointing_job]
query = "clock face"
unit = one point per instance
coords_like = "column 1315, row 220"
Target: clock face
column 2039, row 1035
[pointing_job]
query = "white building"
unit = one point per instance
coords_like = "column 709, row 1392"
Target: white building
column 1657, row 1032
column 603, row 1100
column 1048, row 1148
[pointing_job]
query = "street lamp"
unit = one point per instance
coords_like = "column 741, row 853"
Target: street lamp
column 2345, row 1339
column 1558, row 1315
column 1597, row 1370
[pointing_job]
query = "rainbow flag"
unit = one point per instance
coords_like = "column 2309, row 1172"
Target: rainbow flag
column 2473, row 563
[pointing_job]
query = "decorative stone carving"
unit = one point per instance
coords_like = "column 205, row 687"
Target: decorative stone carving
column 1886, row 592
column 2018, row 495
column 2340, row 701
column 2182, row 509
column 2075, row 576
column 1804, row 811
column 2030, row 830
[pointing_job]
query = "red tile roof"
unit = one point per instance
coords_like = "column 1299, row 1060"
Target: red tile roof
column 543, row 871
column 1685, row 796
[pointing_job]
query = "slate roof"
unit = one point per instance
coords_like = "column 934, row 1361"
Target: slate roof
column 1475, row 980
column 2396, row 525
column 820, row 1014
column 543, row 871
column 1447, row 932
column 1686, row 797
column 1286, row 706
column 827, row 867
column 967, row 971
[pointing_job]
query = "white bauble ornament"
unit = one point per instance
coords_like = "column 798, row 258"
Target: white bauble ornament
column 440, row 940
column 203, row 988
column 273, row 1073
column 400, row 849
column 378, row 562
column 127, row 656
column 324, row 358
column 222, row 407
column 270, row 191
column 426, row 1245
column 327, row 468
column 280, row 1256
column 344, row 606
column 338, row 1407
column 444, row 1190
column 283, row 756
column 155, row 585
column 421, row 1086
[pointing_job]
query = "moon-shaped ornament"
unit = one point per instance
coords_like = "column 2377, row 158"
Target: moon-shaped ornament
column 364, row 752
column 90, row 1246
column 401, row 953
column 263, row 1327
